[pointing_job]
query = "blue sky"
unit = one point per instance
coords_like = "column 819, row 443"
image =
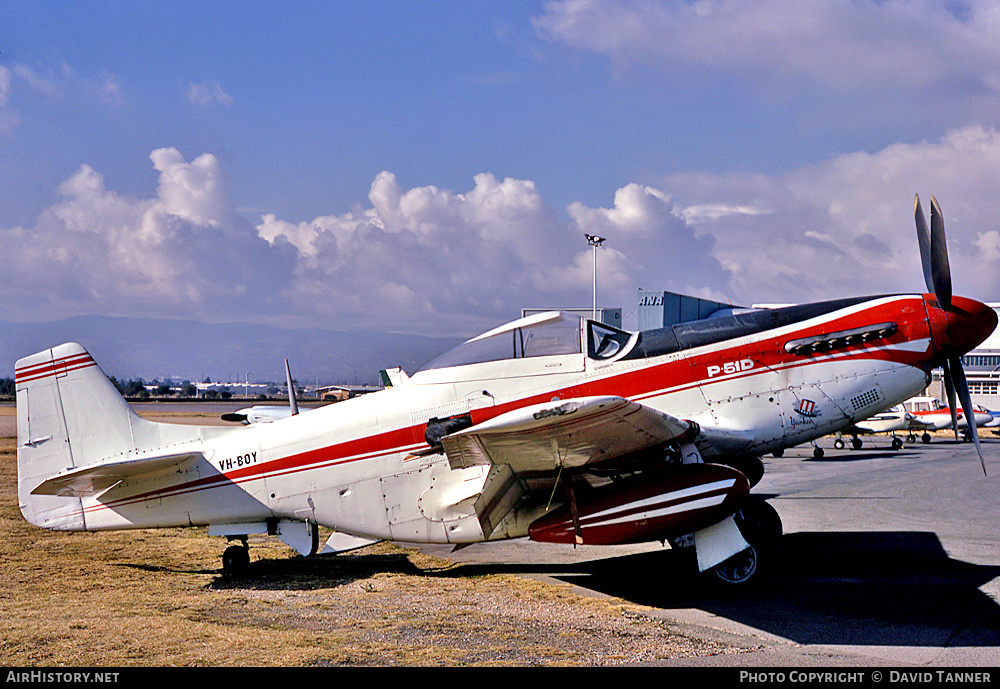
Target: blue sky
column 432, row 167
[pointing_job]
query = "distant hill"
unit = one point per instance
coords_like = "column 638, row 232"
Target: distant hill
column 154, row 349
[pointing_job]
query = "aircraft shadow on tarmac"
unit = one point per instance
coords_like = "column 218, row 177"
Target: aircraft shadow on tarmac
column 835, row 588
column 880, row 588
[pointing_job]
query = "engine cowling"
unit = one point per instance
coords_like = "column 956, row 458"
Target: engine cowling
column 677, row 502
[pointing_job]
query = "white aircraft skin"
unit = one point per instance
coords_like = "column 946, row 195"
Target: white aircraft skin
column 481, row 446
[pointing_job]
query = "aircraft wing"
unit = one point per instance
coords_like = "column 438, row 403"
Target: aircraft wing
column 94, row 479
column 527, row 448
column 564, row 434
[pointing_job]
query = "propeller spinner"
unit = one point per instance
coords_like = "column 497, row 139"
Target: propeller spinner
column 937, row 276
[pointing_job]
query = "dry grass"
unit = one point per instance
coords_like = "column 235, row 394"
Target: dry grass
column 157, row 598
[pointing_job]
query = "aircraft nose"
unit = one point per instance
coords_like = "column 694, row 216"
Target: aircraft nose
column 962, row 327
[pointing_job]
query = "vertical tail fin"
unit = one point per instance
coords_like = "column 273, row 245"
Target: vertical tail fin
column 69, row 416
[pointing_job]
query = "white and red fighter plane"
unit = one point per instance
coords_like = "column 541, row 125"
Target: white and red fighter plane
column 553, row 427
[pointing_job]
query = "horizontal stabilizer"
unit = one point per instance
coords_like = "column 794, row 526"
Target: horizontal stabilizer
column 95, row 479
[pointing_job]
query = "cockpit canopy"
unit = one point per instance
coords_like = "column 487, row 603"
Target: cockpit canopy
column 542, row 334
column 923, row 404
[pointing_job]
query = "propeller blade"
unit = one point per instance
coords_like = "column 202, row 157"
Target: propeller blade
column 940, row 270
column 962, row 387
column 924, row 242
column 949, row 388
column 292, row 403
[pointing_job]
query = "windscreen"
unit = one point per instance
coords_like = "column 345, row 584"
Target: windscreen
column 557, row 335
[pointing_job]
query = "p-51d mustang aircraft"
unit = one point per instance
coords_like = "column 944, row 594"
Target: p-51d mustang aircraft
column 553, row 427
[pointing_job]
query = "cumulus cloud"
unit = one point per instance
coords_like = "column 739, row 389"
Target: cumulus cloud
column 183, row 253
column 430, row 260
column 423, row 259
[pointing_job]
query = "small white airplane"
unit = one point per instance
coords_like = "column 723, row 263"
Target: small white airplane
column 893, row 420
column 931, row 414
column 259, row 413
column 554, row 427
column 263, row 413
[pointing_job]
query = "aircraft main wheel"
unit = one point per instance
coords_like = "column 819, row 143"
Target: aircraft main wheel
column 738, row 569
column 759, row 522
column 925, row 438
column 236, row 559
column 856, row 443
column 911, row 438
column 839, row 444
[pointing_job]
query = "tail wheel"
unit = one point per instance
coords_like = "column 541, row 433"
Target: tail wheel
column 236, row 559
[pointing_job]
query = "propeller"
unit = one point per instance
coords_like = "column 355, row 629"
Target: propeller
column 292, row 403
column 934, row 252
column 937, row 277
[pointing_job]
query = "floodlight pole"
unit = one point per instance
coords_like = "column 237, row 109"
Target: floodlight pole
column 595, row 241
